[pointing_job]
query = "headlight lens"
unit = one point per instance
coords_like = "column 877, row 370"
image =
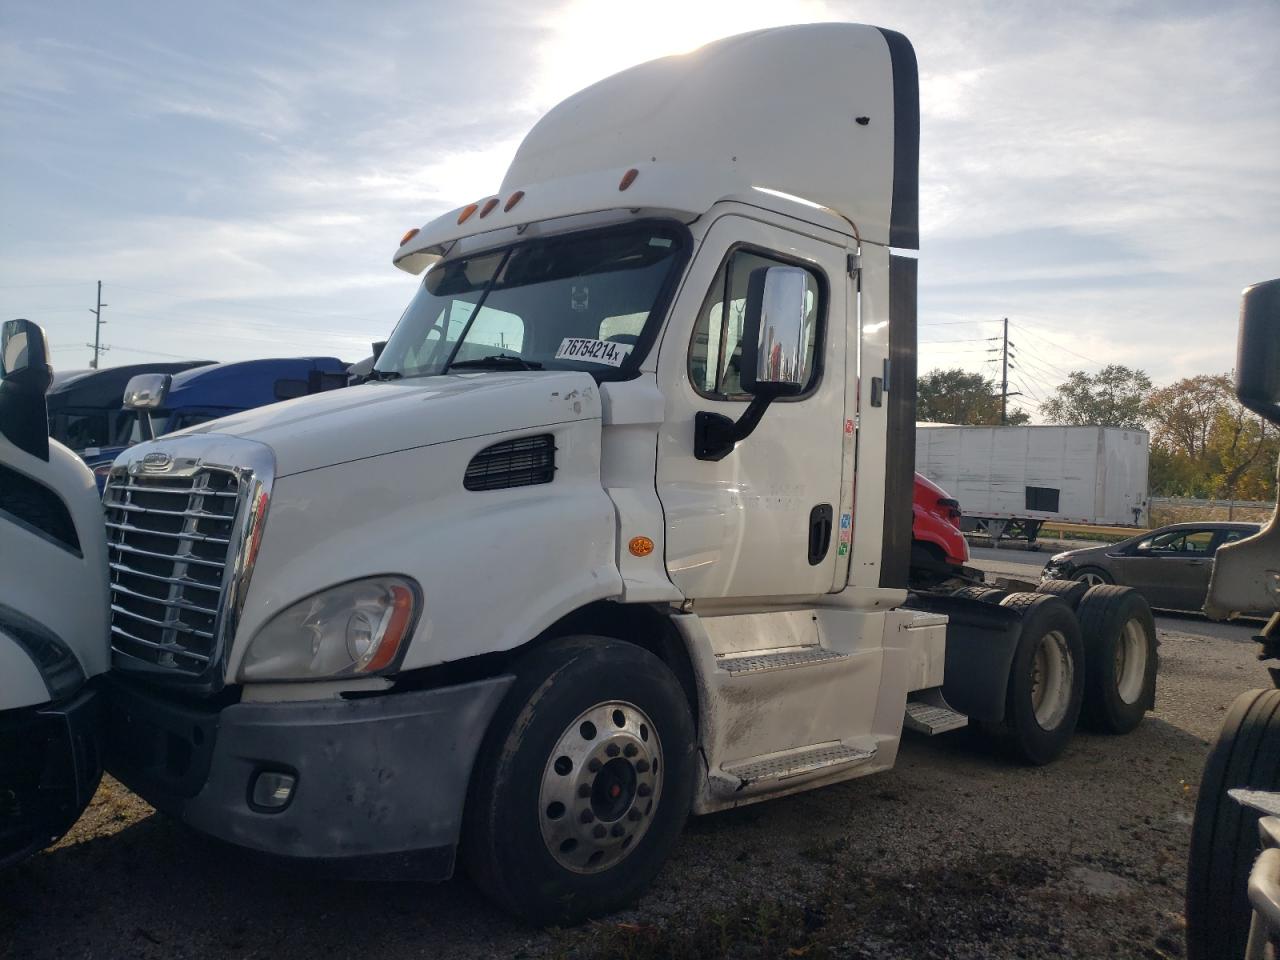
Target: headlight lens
column 354, row 629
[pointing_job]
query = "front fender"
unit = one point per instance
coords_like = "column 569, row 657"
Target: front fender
column 496, row 567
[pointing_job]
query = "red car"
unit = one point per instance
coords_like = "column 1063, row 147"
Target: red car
column 936, row 540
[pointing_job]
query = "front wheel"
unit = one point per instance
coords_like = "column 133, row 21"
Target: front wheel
column 1092, row 576
column 1224, row 834
column 583, row 783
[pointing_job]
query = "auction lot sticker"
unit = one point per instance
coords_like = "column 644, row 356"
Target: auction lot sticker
column 593, row 351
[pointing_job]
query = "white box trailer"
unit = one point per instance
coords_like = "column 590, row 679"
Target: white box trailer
column 1009, row 480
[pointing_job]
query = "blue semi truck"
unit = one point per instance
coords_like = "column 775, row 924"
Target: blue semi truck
column 154, row 401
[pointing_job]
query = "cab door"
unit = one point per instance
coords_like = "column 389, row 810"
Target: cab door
column 765, row 521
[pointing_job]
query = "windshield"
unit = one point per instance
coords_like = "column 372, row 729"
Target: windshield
column 581, row 302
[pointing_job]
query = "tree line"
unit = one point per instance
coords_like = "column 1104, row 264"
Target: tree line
column 1204, row 443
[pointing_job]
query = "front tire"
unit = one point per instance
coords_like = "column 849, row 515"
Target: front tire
column 584, row 781
column 1092, row 576
column 1224, row 834
column 1046, row 680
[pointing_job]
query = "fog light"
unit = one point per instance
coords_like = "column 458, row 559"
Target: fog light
column 272, row 790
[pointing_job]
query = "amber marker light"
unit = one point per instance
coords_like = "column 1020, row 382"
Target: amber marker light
column 488, row 207
column 628, row 178
column 467, row 211
column 401, row 613
column 408, row 235
column 513, row 200
column 640, row 546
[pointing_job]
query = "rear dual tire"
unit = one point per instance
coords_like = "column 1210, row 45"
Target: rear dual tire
column 1121, row 659
column 1046, row 679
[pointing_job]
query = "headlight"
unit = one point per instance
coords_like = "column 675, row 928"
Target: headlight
column 355, row 629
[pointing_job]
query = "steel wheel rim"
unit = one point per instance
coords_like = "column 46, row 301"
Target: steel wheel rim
column 1131, row 661
column 600, row 787
column 1052, row 676
column 1092, row 579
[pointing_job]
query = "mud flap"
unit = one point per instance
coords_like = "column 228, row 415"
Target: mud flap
column 981, row 641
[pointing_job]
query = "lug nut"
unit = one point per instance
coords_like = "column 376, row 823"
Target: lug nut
column 642, row 766
column 587, row 816
column 611, row 749
column 630, row 750
column 618, row 830
column 584, row 790
column 594, row 765
column 644, row 789
column 599, row 831
column 634, row 815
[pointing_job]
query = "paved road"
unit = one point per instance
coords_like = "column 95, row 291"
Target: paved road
column 1027, row 565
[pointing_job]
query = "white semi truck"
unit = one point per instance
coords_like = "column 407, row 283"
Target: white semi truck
column 618, row 530
column 53, row 611
column 1233, row 871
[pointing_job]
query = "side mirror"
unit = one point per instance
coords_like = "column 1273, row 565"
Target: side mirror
column 1258, row 352
column 144, row 393
column 777, row 326
column 24, row 366
column 147, row 391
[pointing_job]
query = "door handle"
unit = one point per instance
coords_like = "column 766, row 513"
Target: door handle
column 1197, row 563
column 819, row 532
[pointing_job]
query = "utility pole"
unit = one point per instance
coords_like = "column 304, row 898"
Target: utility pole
column 97, row 329
column 1004, row 371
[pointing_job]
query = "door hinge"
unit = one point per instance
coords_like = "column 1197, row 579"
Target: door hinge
column 853, row 263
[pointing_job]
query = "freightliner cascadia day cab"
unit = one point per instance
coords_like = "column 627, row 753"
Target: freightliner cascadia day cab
column 53, row 611
column 619, row 530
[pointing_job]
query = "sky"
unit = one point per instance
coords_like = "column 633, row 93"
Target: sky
column 238, row 175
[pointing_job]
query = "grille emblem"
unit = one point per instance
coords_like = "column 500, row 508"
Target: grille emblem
column 158, row 462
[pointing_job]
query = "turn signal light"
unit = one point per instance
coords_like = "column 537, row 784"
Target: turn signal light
column 640, row 546
column 401, row 614
column 628, row 178
column 467, row 211
column 513, row 200
column 408, row 235
column 488, row 206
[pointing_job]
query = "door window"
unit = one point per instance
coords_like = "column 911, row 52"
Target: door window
column 715, row 352
column 1231, row 536
column 1189, row 542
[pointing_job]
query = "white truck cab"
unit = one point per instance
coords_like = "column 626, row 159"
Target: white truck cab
column 53, row 611
column 619, row 528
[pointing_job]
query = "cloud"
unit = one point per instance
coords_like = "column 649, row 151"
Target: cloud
column 1103, row 174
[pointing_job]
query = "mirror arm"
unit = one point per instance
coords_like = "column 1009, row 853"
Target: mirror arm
column 715, row 435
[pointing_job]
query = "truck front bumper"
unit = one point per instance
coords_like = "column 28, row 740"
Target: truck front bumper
column 377, row 783
column 50, row 765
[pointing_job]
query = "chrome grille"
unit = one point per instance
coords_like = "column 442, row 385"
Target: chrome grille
column 170, row 540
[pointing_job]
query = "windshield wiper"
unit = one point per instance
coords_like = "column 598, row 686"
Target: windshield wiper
column 385, row 375
column 499, row 361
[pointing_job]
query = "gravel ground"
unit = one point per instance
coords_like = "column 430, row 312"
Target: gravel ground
column 955, row 853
